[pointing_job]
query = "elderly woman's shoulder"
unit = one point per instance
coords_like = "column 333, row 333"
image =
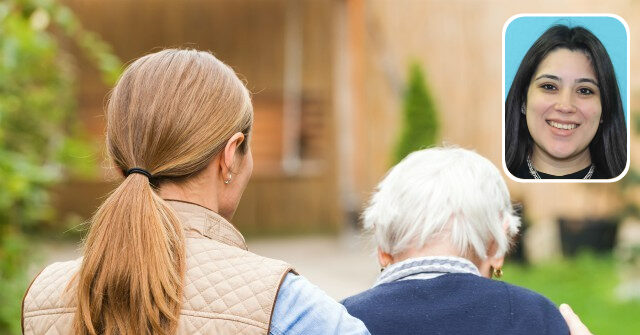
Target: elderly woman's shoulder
column 454, row 284
column 519, row 297
column 445, row 298
column 530, row 308
column 527, row 301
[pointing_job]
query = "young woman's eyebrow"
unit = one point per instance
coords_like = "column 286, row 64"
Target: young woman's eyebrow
column 579, row 80
column 586, row 80
column 549, row 76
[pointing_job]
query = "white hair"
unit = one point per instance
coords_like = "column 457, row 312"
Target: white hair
column 439, row 191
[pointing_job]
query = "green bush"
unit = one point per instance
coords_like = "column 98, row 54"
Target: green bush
column 420, row 118
column 41, row 140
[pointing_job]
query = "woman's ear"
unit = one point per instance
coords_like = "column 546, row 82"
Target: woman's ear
column 384, row 258
column 496, row 262
column 228, row 156
column 492, row 262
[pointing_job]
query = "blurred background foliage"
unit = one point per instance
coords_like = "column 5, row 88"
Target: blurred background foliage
column 41, row 141
column 419, row 128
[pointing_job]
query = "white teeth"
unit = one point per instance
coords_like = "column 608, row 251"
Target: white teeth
column 562, row 125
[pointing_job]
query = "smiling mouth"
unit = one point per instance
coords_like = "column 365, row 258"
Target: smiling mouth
column 565, row 126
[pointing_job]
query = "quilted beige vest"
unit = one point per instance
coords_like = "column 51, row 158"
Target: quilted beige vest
column 228, row 290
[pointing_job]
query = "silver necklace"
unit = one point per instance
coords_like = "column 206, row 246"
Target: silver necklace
column 535, row 174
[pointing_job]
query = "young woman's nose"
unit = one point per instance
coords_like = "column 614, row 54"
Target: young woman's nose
column 565, row 103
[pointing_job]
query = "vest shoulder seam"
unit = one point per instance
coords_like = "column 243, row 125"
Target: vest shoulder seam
column 57, row 310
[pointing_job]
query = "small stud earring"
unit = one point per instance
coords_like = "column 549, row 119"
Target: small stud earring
column 523, row 110
column 228, row 180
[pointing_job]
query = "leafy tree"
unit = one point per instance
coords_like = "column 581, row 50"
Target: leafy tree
column 40, row 138
column 420, row 119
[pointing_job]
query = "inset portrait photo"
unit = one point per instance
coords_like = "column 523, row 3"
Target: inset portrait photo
column 566, row 110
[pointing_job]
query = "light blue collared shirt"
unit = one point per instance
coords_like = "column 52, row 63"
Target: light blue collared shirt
column 303, row 308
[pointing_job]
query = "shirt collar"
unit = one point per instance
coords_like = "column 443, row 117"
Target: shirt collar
column 199, row 221
column 417, row 268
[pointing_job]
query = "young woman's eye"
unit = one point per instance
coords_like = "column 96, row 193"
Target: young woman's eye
column 548, row 87
column 585, row 91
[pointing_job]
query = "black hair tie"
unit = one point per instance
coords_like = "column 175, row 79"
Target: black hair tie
column 138, row 170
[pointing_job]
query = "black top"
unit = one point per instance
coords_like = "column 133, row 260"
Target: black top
column 455, row 303
column 523, row 173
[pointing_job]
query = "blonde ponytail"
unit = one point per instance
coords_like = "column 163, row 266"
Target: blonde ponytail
column 170, row 114
column 131, row 276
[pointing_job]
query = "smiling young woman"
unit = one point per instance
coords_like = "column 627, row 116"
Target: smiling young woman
column 564, row 116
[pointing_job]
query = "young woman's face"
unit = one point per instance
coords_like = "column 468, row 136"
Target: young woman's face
column 563, row 107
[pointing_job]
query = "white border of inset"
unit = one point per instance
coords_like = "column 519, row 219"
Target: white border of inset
column 502, row 102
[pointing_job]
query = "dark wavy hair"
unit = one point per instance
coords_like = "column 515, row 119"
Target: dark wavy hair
column 608, row 148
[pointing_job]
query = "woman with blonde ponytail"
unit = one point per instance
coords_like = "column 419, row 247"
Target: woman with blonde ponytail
column 161, row 256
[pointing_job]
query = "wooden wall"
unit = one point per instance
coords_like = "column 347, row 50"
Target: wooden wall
column 249, row 35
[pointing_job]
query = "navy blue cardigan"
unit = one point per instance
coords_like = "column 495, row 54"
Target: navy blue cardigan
column 455, row 303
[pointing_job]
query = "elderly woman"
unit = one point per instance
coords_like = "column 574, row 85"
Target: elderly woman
column 443, row 221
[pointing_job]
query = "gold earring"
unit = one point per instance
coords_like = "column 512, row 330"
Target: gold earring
column 496, row 272
column 228, row 180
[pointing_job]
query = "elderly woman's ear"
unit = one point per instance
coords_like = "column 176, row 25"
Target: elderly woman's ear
column 384, row 259
column 492, row 265
column 496, row 265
